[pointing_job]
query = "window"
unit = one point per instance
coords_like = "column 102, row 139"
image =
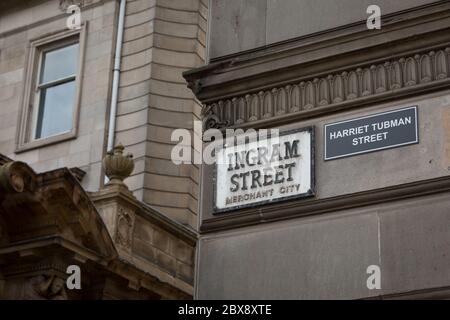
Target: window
column 52, row 90
column 56, row 92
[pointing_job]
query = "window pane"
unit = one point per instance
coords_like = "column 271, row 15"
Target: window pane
column 59, row 63
column 55, row 110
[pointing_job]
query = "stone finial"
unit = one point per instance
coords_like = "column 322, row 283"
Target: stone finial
column 118, row 166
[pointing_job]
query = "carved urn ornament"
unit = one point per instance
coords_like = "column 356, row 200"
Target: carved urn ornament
column 117, row 165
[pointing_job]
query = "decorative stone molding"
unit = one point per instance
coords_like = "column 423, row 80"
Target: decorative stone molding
column 211, row 120
column 117, row 166
column 46, row 288
column 124, row 228
column 337, row 88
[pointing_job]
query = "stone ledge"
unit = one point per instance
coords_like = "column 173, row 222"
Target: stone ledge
column 301, row 208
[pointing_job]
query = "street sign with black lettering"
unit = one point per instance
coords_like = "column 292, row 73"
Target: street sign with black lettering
column 265, row 170
column 371, row 133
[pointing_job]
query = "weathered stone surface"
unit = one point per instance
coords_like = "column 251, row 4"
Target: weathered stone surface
column 145, row 238
column 143, row 249
column 327, row 257
column 143, row 231
column 185, row 271
column 243, row 25
column 182, row 252
column 237, row 27
column 303, row 259
column 414, row 245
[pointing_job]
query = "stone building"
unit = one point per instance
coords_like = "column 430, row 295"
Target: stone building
column 69, row 92
column 352, row 203
column 373, row 218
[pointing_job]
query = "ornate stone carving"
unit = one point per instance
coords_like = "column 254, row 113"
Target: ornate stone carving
column 45, row 288
column 124, row 228
column 118, row 166
column 211, row 120
column 14, row 176
column 362, row 82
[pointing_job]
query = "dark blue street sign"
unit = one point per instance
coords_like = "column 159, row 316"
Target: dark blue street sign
column 371, row 133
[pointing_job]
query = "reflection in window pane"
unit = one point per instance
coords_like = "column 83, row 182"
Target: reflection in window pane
column 59, row 63
column 55, row 110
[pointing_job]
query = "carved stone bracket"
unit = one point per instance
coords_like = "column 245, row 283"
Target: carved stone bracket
column 211, row 120
column 44, row 287
column 195, row 86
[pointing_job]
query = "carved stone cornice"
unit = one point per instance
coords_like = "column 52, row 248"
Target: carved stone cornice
column 333, row 70
column 368, row 83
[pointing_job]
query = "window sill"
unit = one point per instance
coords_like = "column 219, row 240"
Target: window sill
column 45, row 141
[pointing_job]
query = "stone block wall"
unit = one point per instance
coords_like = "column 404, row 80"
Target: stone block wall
column 162, row 39
column 165, row 250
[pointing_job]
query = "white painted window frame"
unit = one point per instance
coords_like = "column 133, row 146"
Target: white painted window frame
column 30, row 104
